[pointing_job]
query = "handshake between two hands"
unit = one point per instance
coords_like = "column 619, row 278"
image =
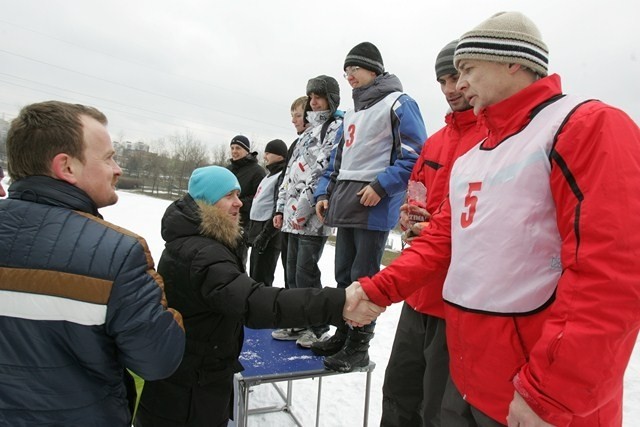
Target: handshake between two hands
column 358, row 310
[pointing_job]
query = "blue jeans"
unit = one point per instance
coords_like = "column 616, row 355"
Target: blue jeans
column 303, row 254
column 358, row 254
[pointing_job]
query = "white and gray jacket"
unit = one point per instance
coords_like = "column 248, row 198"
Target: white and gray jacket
column 308, row 162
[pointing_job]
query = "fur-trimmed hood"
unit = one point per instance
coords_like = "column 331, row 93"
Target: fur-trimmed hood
column 187, row 217
column 217, row 225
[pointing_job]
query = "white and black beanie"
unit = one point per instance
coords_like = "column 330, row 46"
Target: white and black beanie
column 365, row 55
column 444, row 61
column 508, row 37
column 327, row 87
column 242, row 141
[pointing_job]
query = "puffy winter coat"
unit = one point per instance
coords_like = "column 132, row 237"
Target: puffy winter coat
column 309, row 160
column 79, row 303
column 567, row 359
column 381, row 140
column 249, row 174
column 432, row 169
column 205, row 278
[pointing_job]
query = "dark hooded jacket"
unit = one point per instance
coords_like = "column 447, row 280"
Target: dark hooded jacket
column 205, row 280
column 249, row 174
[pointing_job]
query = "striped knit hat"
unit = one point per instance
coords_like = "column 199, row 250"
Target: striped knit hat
column 367, row 56
column 444, row 61
column 242, row 141
column 508, row 37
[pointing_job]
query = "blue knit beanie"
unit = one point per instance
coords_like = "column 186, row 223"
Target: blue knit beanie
column 212, row 183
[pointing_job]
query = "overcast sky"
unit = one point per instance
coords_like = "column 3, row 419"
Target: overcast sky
column 220, row 68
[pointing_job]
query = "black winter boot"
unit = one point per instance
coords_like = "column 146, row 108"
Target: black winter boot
column 333, row 344
column 355, row 352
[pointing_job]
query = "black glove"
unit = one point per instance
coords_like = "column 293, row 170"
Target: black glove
column 261, row 242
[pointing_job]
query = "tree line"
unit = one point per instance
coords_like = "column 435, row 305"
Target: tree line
column 165, row 170
column 162, row 171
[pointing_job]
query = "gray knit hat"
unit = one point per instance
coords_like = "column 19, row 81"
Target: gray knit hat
column 508, row 37
column 444, row 61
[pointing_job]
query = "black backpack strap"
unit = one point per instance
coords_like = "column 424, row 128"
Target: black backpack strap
column 325, row 127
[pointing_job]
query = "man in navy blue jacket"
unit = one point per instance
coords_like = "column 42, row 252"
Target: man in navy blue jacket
column 80, row 301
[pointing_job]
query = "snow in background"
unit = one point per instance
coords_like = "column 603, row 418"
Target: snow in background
column 342, row 402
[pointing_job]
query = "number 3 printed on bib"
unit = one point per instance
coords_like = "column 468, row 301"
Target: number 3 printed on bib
column 352, row 135
column 470, row 202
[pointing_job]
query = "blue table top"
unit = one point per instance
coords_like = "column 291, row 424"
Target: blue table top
column 263, row 356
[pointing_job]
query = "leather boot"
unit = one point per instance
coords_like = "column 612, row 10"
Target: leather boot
column 355, row 353
column 333, row 344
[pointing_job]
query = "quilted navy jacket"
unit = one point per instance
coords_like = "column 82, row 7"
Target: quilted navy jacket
column 79, row 303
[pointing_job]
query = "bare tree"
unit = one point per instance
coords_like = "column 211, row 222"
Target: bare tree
column 220, row 155
column 120, row 136
column 134, row 163
column 188, row 154
column 157, row 166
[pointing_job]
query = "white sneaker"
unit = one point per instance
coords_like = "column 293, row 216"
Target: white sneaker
column 287, row 334
column 309, row 337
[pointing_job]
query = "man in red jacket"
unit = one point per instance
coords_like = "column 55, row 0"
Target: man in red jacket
column 538, row 241
column 418, row 367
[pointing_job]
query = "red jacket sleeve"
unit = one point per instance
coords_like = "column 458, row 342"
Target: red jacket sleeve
column 424, row 263
column 578, row 364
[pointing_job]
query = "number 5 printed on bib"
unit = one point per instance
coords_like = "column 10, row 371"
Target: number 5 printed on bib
column 470, row 202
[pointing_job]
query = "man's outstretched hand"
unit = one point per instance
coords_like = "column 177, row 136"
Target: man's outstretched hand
column 358, row 310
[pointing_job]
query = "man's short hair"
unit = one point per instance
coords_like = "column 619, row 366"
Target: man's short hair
column 42, row 131
column 299, row 103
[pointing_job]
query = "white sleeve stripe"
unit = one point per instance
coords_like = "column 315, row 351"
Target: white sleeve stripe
column 43, row 307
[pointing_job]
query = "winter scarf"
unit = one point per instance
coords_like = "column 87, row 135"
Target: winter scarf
column 366, row 96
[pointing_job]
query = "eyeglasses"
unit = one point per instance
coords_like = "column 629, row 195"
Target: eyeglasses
column 349, row 71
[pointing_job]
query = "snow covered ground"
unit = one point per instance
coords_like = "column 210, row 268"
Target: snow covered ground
column 342, row 395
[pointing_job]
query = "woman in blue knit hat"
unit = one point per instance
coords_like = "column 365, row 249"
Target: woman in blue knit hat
column 206, row 281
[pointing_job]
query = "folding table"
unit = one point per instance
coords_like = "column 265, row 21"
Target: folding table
column 270, row 361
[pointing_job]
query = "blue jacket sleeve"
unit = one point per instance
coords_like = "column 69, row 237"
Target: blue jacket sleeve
column 409, row 134
column 327, row 179
column 150, row 342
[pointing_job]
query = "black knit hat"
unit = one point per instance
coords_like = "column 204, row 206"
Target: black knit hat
column 277, row 146
column 365, row 55
column 324, row 86
column 444, row 61
column 242, row 141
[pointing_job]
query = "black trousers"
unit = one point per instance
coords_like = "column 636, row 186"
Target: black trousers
column 456, row 412
column 167, row 404
column 284, row 246
column 262, row 266
column 417, row 372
